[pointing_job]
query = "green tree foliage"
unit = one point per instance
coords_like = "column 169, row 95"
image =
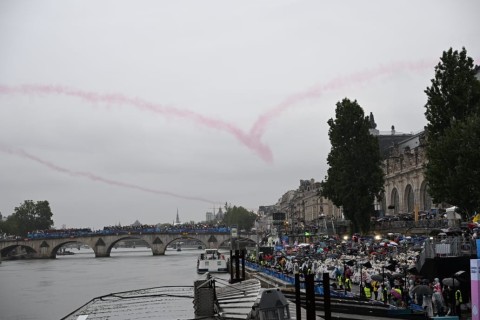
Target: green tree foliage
column 30, row 216
column 8, row 227
column 240, row 217
column 452, row 111
column 455, row 171
column 454, row 94
column 355, row 176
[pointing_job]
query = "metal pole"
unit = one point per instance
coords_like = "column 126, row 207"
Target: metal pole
column 298, row 303
column 237, row 265
column 243, row 265
column 230, row 262
column 310, row 296
column 326, row 296
column 454, row 304
column 361, row 281
column 405, row 287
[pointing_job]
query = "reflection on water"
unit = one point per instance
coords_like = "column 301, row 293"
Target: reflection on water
column 52, row 288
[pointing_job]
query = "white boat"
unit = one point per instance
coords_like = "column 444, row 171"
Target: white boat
column 211, row 261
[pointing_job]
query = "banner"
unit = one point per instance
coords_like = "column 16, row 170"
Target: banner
column 475, row 291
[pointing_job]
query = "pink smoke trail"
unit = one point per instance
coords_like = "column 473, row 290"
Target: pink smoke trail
column 251, row 140
column 118, row 99
column 362, row 77
column 93, row 177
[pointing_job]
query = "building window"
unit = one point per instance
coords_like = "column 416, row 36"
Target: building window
column 426, row 204
column 395, row 200
column 409, row 198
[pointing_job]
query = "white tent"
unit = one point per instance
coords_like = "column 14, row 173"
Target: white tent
column 451, row 214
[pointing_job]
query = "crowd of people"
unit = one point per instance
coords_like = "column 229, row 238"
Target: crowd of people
column 382, row 270
column 131, row 229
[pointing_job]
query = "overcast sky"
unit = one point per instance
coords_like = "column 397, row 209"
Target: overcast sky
column 115, row 111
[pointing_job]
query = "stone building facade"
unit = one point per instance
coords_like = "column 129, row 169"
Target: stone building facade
column 305, row 207
column 406, row 189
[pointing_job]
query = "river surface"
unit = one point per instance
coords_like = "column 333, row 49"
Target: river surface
column 50, row 289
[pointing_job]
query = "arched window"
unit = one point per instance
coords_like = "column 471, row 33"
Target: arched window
column 426, row 204
column 381, row 207
column 409, row 198
column 395, row 200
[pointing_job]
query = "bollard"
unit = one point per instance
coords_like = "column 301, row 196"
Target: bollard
column 326, row 297
column 310, row 296
column 298, row 302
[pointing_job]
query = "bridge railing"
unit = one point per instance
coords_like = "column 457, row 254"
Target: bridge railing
column 62, row 234
column 410, row 224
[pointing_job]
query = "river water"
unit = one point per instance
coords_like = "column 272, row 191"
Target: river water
column 52, row 288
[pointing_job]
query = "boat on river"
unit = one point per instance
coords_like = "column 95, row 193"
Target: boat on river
column 211, row 261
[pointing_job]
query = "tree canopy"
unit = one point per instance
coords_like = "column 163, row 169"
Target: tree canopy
column 355, row 176
column 452, row 111
column 29, row 216
column 240, row 217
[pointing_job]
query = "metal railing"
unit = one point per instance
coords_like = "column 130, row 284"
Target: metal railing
column 450, row 246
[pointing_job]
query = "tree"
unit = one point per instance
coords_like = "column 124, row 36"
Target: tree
column 452, row 111
column 240, row 217
column 456, row 169
column 31, row 216
column 355, row 176
column 454, row 94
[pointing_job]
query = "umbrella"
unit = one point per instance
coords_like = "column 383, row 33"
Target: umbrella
column 397, row 276
column 377, row 277
column 396, row 294
column 367, row 264
column 451, row 282
column 422, row 289
column 390, row 267
column 412, row 270
column 350, row 263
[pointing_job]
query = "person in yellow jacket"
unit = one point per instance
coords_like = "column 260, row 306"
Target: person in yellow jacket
column 375, row 286
column 458, row 302
column 476, row 218
column 348, row 284
column 368, row 290
column 340, row 281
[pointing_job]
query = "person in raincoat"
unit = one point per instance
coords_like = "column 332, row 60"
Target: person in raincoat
column 437, row 299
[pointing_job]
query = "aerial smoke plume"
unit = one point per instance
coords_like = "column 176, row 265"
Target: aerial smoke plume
column 94, row 177
column 251, row 139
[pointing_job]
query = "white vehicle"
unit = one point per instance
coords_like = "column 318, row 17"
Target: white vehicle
column 211, row 261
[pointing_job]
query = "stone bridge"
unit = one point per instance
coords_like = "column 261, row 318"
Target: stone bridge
column 102, row 244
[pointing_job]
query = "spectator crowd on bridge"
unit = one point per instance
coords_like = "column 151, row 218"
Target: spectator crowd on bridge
column 187, row 228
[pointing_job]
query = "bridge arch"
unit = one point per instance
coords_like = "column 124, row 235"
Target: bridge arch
column 189, row 237
column 54, row 251
column 102, row 243
column 244, row 242
column 17, row 251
